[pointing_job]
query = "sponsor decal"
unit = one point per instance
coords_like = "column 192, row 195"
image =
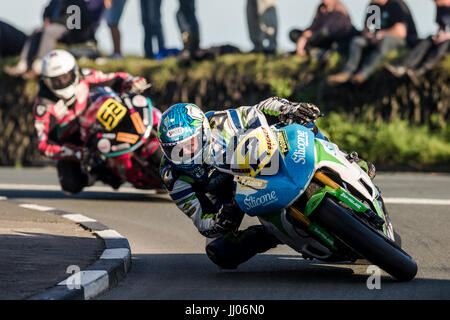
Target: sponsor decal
column 127, row 137
column 251, row 183
column 110, row 114
column 299, row 155
column 252, row 202
column 351, row 200
column 269, row 141
column 104, row 145
column 137, row 122
column 139, row 101
column 283, row 142
column 240, row 170
column 119, row 147
column 175, row 132
column 110, row 136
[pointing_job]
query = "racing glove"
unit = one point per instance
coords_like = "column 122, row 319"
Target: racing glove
column 139, row 85
column 229, row 218
column 302, row 113
column 290, row 112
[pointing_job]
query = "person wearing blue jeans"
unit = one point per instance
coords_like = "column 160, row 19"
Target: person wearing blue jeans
column 114, row 10
column 189, row 28
column 151, row 20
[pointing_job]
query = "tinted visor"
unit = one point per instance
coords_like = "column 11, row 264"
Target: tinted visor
column 62, row 81
column 185, row 151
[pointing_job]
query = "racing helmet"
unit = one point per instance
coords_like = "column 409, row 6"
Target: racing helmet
column 60, row 73
column 184, row 134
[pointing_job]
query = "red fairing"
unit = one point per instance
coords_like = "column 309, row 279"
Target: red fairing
column 123, row 164
column 49, row 114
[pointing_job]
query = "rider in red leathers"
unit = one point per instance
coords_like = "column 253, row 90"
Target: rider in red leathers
column 62, row 97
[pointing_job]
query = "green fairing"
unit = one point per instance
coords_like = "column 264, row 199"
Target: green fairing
column 275, row 219
column 322, row 155
column 339, row 194
column 380, row 214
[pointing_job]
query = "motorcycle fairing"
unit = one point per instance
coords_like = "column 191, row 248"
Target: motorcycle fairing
column 296, row 168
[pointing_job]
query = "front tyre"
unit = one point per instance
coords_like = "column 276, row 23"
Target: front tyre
column 365, row 241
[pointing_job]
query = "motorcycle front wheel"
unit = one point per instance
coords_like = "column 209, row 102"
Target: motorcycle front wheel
column 371, row 245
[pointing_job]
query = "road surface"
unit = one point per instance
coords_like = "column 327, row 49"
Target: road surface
column 169, row 260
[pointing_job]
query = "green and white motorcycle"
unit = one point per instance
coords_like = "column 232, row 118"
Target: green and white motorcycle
column 314, row 199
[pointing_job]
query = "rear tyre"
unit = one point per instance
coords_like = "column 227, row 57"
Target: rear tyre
column 365, row 241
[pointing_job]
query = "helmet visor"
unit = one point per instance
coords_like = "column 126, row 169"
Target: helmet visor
column 62, row 81
column 186, row 151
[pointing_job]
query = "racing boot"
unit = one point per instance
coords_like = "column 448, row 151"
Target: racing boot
column 367, row 166
column 231, row 249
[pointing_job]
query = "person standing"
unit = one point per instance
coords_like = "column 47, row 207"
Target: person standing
column 189, row 28
column 151, row 21
column 262, row 25
column 114, row 10
column 12, row 40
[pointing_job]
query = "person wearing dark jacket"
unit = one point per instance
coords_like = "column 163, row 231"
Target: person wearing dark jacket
column 12, row 40
column 55, row 28
column 331, row 25
column 428, row 52
column 368, row 50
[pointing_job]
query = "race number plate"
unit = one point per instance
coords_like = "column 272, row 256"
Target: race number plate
column 110, row 114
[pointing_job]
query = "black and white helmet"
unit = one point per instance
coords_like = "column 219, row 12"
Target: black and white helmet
column 60, row 73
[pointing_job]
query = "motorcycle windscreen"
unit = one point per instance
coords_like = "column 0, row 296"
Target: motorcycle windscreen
column 124, row 129
column 277, row 188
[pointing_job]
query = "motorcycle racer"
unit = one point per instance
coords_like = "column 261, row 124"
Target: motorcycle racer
column 62, row 97
column 199, row 178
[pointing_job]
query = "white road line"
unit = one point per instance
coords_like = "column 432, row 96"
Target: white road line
column 109, row 234
column 437, row 202
column 4, row 186
column 35, row 207
column 3, row 198
column 78, row 218
column 36, row 187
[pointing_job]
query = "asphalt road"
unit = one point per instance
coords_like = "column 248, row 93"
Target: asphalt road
column 169, row 260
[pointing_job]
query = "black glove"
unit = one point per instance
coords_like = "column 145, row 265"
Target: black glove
column 229, row 218
column 301, row 113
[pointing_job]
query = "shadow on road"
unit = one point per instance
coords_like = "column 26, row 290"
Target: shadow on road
column 86, row 195
column 194, row 276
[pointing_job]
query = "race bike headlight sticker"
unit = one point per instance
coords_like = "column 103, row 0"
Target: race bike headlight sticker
column 255, row 151
column 111, row 113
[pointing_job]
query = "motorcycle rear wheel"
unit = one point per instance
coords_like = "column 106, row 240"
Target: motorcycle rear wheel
column 368, row 243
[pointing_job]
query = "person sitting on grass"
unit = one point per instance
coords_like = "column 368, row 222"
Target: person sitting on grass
column 397, row 28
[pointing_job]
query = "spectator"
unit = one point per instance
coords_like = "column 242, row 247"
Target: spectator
column 429, row 51
column 44, row 39
column 331, row 25
column 189, row 28
column 114, row 10
column 262, row 25
column 370, row 48
column 151, row 20
column 12, row 40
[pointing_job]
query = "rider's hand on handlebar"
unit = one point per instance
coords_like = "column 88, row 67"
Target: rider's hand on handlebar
column 301, row 113
column 139, row 85
column 228, row 218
